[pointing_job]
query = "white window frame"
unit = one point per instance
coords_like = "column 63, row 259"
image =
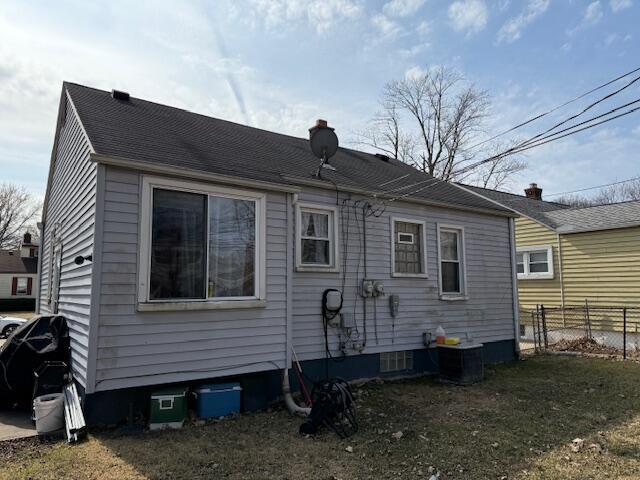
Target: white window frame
column 26, row 286
column 394, row 239
column 334, row 251
column 149, row 183
column 462, row 260
column 525, row 251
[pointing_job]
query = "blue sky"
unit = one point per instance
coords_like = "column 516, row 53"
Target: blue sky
column 281, row 64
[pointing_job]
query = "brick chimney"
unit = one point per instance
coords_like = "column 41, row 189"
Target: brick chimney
column 533, row 191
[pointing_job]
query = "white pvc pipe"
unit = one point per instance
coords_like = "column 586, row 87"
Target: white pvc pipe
column 292, row 406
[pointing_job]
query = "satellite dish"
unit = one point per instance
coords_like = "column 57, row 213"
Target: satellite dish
column 323, row 140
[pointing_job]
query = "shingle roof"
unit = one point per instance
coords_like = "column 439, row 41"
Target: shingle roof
column 149, row 132
column 525, row 206
column 564, row 218
column 12, row 262
column 599, row 217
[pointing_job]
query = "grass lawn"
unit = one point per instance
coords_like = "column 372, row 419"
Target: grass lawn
column 517, row 424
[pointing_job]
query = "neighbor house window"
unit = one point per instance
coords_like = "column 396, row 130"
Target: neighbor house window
column 396, row 361
column 534, row 262
column 452, row 261
column 21, row 286
column 408, row 253
column 317, row 247
column 204, row 243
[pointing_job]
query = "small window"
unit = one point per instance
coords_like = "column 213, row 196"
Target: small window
column 452, row 268
column 317, row 243
column 396, row 361
column 534, row 263
column 408, row 252
column 22, row 286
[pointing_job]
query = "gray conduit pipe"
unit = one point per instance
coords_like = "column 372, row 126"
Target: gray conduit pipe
column 292, row 406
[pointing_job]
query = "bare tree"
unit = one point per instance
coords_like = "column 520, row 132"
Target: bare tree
column 18, row 211
column 621, row 192
column 429, row 121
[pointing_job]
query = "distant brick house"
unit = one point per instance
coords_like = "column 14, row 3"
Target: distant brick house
column 18, row 274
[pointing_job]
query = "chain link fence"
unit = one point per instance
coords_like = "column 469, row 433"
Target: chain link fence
column 606, row 330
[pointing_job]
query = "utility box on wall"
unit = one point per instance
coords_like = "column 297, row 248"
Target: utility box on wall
column 461, row 364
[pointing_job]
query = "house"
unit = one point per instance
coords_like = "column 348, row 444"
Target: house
column 183, row 248
column 568, row 255
column 18, row 275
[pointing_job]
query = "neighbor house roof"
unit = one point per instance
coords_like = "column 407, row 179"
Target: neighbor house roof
column 140, row 132
column 564, row 218
column 12, row 262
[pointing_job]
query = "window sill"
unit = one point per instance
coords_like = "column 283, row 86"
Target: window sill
column 409, row 275
column 543, row 276
column 310, row 268
column 453, row 297
column 189, row 306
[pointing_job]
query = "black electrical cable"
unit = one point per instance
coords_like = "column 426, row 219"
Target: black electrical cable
column 329, row 314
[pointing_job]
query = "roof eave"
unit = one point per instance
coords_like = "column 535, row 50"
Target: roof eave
column 178, row 171
column 420, row 201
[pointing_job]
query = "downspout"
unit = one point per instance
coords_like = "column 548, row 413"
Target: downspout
column 564, row 321
column 514, row 284
column 560, row 268
column 286, row 387
column 39, row 270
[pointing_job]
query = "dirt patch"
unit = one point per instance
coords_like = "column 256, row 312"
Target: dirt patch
column 591, row 346
column 518, row 424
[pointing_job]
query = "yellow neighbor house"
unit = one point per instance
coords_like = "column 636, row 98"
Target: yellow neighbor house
column 567, row 255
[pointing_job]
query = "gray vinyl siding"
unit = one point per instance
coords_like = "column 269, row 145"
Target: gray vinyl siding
column 71, row 204
column 487, row 315
column 145, row 348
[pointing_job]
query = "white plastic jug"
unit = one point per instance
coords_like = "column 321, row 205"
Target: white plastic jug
column 440, row 335
column 49, row 413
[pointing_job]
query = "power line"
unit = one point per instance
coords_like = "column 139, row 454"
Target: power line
column 594, row 187
column 537, row 141
column 548, row 112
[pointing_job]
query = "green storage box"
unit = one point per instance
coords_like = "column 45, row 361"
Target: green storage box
column 168, row 408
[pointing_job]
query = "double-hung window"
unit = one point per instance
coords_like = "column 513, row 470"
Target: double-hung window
column 452, row 261
column 21, row 286
column 534, row 263
column 316, row 238
column 408, row 253
column 200, row 244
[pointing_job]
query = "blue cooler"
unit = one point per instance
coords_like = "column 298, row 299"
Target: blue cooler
column 218, row 399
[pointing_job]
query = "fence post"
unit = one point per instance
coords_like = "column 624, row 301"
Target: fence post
column 624, row 333
column 587, row 319
column 544, row 327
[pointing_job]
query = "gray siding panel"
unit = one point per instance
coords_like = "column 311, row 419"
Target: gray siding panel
column 71, row 205
column 486, row 316
column 145, row 348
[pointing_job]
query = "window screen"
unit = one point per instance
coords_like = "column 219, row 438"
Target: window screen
column 408, row 248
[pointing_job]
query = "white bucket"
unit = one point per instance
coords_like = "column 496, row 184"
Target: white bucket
column 49, row 412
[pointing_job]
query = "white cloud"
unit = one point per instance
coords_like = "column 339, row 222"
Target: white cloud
column 618, row 5
column 413, row 51
column 512, row 29
column 469, row 16
column 415, row 72
column 593, row 13
column 323, row 15
column 389, row 29
column 402, row 8
column 591, row 16
column 616, row 38
column 424, row 28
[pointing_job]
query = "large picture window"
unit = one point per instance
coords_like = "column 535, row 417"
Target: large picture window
column 408, row 253
column 316, row 238
column 204, row 243
column 534, row 263
column 452, row 261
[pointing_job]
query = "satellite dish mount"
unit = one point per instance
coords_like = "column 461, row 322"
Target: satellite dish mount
column 324, row 144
